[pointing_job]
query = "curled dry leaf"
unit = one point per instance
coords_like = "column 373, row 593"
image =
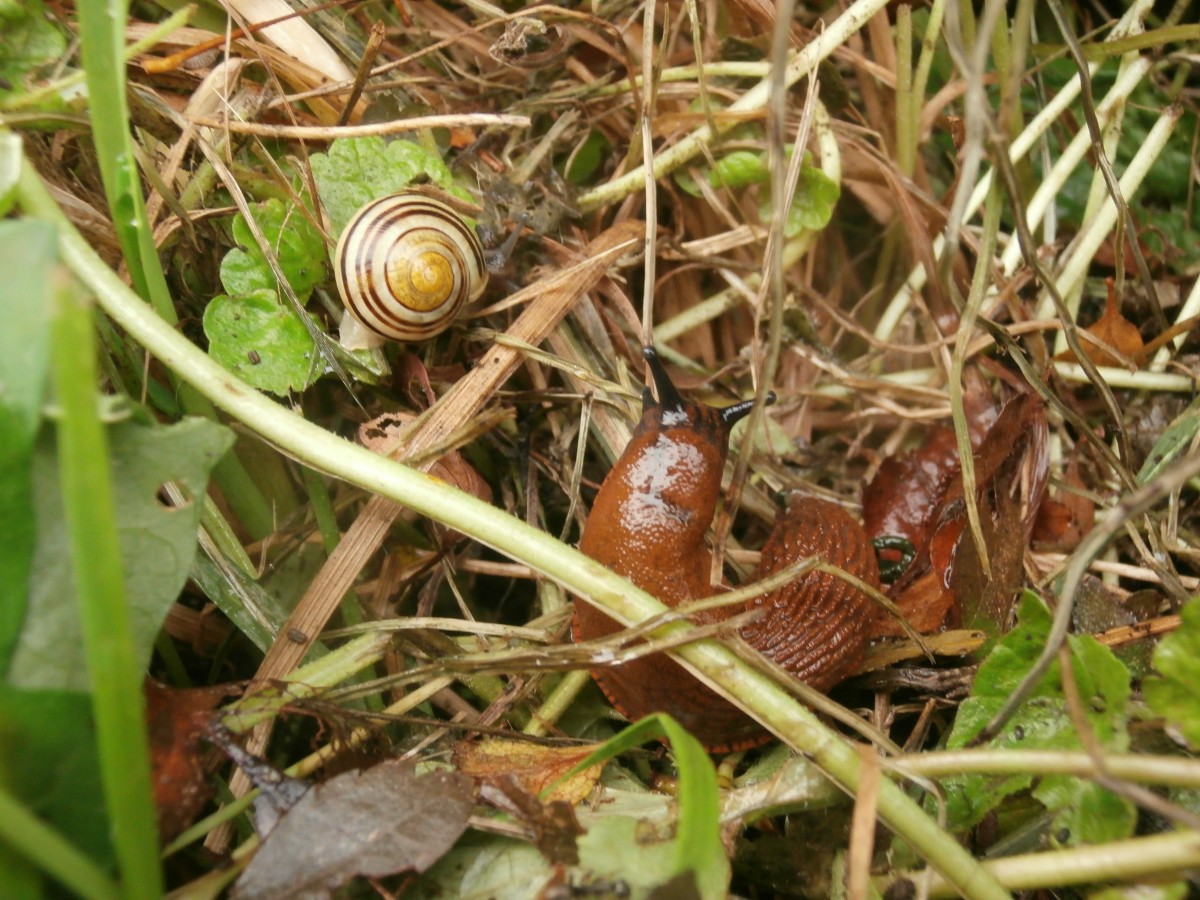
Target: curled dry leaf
column 277, row 792
column 532, row 766
column 947, row 584
column 378, row 822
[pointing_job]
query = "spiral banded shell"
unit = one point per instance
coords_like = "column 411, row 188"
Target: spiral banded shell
column 405, row 265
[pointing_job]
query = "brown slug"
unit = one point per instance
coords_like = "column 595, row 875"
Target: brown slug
column 648, row 523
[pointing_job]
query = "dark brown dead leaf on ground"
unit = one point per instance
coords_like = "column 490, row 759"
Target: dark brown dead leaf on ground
column 374, row 823
column 277, row 792
column 176, row 720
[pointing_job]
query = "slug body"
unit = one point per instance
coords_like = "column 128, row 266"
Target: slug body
column 649, row 522
column 405, row 266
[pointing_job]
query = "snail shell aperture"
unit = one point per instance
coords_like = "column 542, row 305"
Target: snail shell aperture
column 405, row 265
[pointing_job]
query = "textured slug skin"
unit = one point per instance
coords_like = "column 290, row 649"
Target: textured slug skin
column 648, row 523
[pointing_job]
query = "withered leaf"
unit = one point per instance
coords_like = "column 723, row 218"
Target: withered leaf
column 1113, row 330
column 533, row 766
column 277, row 792
column 378, row 822
column 1062, row 522
column 176, row 720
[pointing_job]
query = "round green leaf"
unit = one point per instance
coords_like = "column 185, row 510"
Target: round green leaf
column 261, row 341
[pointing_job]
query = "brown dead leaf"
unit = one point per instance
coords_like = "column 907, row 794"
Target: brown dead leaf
column 1062, row 521
column 378, row 822
column 176, row 720
column 533, row 766
column 1113, row 330
column 380, row 434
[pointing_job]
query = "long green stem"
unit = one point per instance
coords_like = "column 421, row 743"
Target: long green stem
column 1160, row 856
column 713, row 662
column 116, row 679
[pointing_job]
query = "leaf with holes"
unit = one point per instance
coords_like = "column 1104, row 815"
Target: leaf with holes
column 262, row 341
column 158, row 543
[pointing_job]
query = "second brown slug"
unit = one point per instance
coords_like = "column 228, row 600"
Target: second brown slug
column 648, row 523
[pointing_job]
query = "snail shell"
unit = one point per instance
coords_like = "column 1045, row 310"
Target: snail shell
column 405, row 265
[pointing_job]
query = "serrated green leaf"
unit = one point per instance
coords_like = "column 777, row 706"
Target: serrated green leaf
column 816, row 196
column 298, row 247
column 1173, row 693
column 1086, row 813
column 357, row 170
column 1043, row 723
column 157, row 544
column 262, row 341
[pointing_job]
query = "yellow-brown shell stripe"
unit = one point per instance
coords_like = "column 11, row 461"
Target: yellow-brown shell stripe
column 394, row 228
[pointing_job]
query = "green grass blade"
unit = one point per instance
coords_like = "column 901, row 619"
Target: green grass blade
column 102, row 40
column 35, row 840
column 103, row 611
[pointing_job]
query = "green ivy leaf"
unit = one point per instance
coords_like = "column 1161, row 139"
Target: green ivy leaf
column 158, row 544
column 1173, row 693
column 298, row 246
column 262, row 341
column 812, row 207
column 357, row 170
column 1043, row 722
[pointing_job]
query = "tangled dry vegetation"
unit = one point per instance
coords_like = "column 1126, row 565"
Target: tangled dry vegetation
column 973, row 295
